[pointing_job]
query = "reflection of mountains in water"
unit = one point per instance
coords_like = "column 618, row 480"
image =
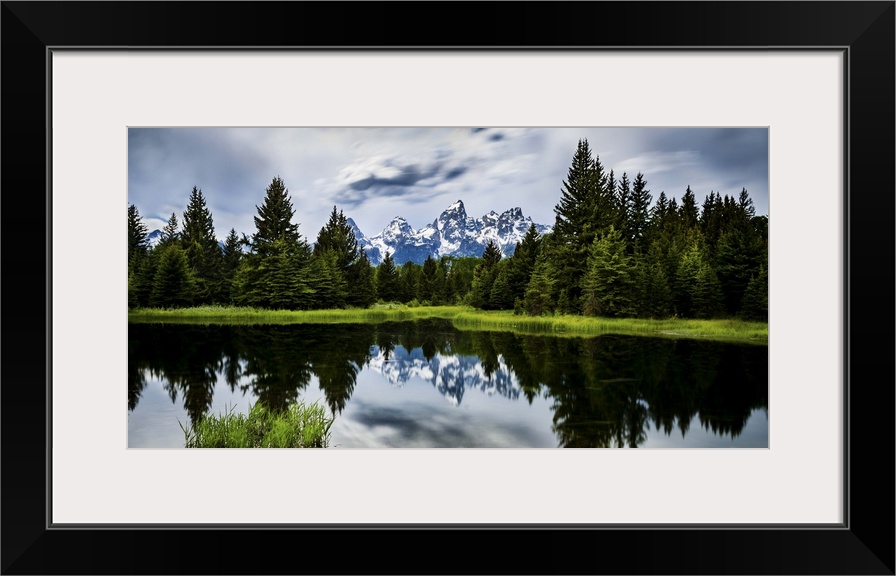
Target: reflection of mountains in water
column 450, row 374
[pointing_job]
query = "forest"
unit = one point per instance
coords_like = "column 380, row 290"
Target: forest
column 613, row 252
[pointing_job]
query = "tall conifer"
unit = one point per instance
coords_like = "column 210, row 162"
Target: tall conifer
column 203, row 252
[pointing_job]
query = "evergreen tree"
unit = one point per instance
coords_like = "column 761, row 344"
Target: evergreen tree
column 274, row 220
column 275, row 273
column 141, row 278
column 173, row 285
column 338, row 236
column 607, row 288
column 387, row 280
column 137, row 256
column 338, row 253
column 137, row 233
column 745, row 203
column 673, row 216
column 739, row 254
column 698, row 293
column 707, row 298
column 233, row 252
column 459, row 280
column 688, row 211
column 409, row 281
column 484, row 276
column 612, row 192
column 426, row 285
column 361, row 282
column 623, row 201
column 639, row 215
column 518, row 270
column 659, row 217
column 327, row 280
column 661, row 208
column 754, row 305
column 203, row 252
column 170, row 232
column 133, row 302
column 586, row 207
column 440, row 284
column 501, row 296
column 537, row 299
column 711, row 223
column 656, row 295
column 577, row 199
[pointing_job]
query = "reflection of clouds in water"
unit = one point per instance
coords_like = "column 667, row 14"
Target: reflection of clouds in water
column 418, row 426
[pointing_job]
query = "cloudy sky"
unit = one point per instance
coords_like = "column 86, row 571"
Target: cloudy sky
column 375, row 174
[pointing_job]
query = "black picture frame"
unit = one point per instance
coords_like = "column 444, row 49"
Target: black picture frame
column 864, row 544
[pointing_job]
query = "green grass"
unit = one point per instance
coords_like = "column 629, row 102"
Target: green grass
column 468, row 318
column 237, row 315
column 728, row 330
column 299, row 426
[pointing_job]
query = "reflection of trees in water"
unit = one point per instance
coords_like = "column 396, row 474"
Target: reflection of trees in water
column 604, row 391
column 186, row 358
column 669, row 382
column 136, row 375
column 277, row 364
column 336, row 358
column 232, row 363
column 274, row 363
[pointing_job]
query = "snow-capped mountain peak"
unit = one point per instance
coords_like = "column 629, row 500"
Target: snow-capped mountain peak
column 397, row 228
column 457, row 207
column 452, row 233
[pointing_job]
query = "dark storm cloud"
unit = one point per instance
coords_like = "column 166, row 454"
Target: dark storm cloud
column 406, row 176
column 416, row 178
column 455, row 173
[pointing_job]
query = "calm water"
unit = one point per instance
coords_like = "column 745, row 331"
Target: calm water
column 427, row 385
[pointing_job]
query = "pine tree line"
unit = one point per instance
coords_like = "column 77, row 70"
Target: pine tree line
column 611, row 254
column 276, row 268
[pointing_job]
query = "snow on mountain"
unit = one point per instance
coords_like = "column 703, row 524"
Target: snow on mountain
column 453, row 233
column 451, row 375
column 153, row 238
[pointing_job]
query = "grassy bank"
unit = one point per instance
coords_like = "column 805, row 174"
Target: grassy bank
column 467, row 318
column 236, row 315
column 299, row 426
column 720, row 330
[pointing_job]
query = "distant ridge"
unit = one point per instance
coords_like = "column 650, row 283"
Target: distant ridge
column 452, row 233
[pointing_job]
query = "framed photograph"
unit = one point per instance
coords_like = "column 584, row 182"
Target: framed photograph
column 91, row 89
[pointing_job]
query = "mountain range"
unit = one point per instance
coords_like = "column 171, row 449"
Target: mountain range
column 452, row 233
